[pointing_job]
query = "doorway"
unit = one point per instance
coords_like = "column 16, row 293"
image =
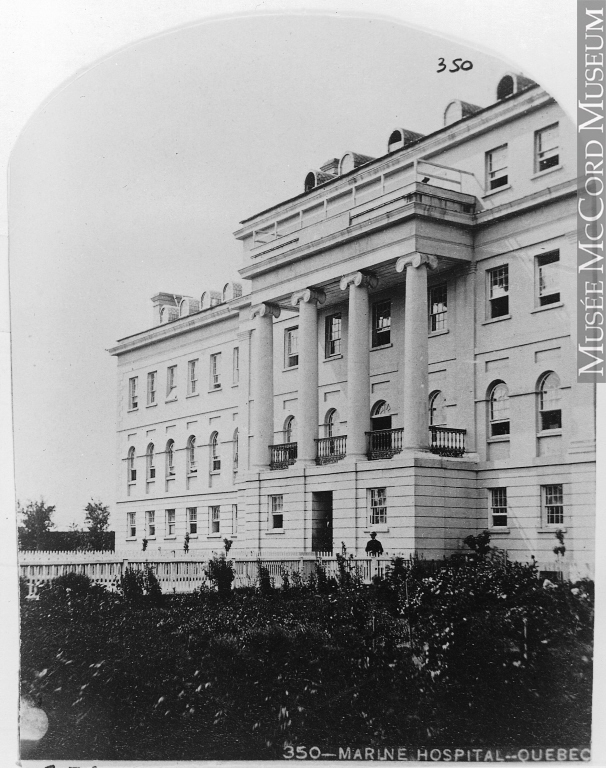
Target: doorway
column 321, row 521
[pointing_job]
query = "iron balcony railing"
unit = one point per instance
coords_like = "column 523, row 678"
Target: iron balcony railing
column 282, row 455
column 384, row 443
column 446, row 441
column 330, row 449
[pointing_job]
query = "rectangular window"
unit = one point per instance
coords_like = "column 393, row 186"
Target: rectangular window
column 133, row 400
column 547, row 278
column 276, row 512
column 215, row 371
column 498, row 291
column 151, row 523
column 192, row 520
column 546, row 150
column 553, row 504
column 151, row 388
column 234, row 519
column 171, row 381
column 381, row 323
column 496, row 168
column 131, row 524
column 192, row 377
column 170, row 522
column 438, row 307
column 498, row 507
column 236, row 366
column 215, row 519
column 291, row 347
column 332, row 335
column 378, row 506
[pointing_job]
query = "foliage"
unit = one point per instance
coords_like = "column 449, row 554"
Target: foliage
column 137, row 586
column 348, row 574
column 144, row 543
column 227, row 545
column 71, row 589
column 97, row 516
column 186, row 542
column 221, row 573
column 36, row 518
column 474, row 646
column 561, row 548
column 23, row 588
column 480, row 544
column 266, row 586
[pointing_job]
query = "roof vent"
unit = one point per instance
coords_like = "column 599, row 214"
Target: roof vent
column 188, row 306
column 352, row 160
column 459, row 110
column 168, row 314
column 168, row 300
column 315, row 178
column 232, row 291
column 400, row 138
column 512, row 83
column 210, row 299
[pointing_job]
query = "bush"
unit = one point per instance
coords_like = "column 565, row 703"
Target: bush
column 221, row 573
column 266, row 586
column 69, row 589
column 132, row 585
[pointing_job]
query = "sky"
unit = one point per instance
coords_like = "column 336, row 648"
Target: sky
column 132, row 178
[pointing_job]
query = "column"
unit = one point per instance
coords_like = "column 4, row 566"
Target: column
column 245, row 427
column 262, row 384
column 464, row 385
column 358, row 362
column 416, row 379
column 307, row 425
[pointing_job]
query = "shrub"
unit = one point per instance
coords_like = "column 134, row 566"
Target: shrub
column 131, row 585
column 266, row 586
column 152, row 587
column 69, row 589
column 23, row 588
column 221, row 573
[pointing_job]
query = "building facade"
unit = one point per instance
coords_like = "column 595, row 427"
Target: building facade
column 403, row 361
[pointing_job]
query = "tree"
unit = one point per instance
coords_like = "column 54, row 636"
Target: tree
column 36, row 520
column 97, row 520
column 97, row 517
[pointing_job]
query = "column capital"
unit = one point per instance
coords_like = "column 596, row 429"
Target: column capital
column 308, row 295
column 262, row 310
column 366, row 279
column 415, row 260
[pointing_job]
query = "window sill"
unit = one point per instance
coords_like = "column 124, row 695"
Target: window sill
column 171, row 537
column 290, row 368
column 499, row 529
column 547, row 306
column 431, row 334
column 377, row 529
column 189, row 475
column 214, row 472
column 496, row 190
column 499, row 439
column 151, row 405
column 546, row 171
column 151, row 538
column 552, row 529
column 274, row 532
column 549, row 432
column 130, row 410
column 170, row 400
column 131, row 538
column 332, row 357
column 214, row 535
column 381, row 346
column 233, row 386
column 496, row 319
column 193, row 394
column 193, row 535
column 215, row 389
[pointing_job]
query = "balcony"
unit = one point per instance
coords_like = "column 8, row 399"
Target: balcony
column 446, row 441
column 329, row 450
column 384, row 443
column 283, row 455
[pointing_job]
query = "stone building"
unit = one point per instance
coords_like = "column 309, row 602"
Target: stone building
column 403, row 361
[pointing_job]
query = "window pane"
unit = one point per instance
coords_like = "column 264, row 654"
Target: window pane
column 438, row 298
column 381, row 323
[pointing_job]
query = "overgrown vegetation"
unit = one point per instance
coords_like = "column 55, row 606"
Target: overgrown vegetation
column 475, row 652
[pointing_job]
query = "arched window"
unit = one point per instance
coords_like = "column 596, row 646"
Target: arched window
column 331, row 423
column 550, row 410
column 215, row 458
column 437, row 416
column 151, row 467
column 131, row 471
column 225, row 294
column 235, row 450
column 380, row 416
column 499, row 410
column 170, row 459
column 192, row 467
column 290, row 430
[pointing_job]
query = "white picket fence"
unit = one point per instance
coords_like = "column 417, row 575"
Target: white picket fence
column 180, row 572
